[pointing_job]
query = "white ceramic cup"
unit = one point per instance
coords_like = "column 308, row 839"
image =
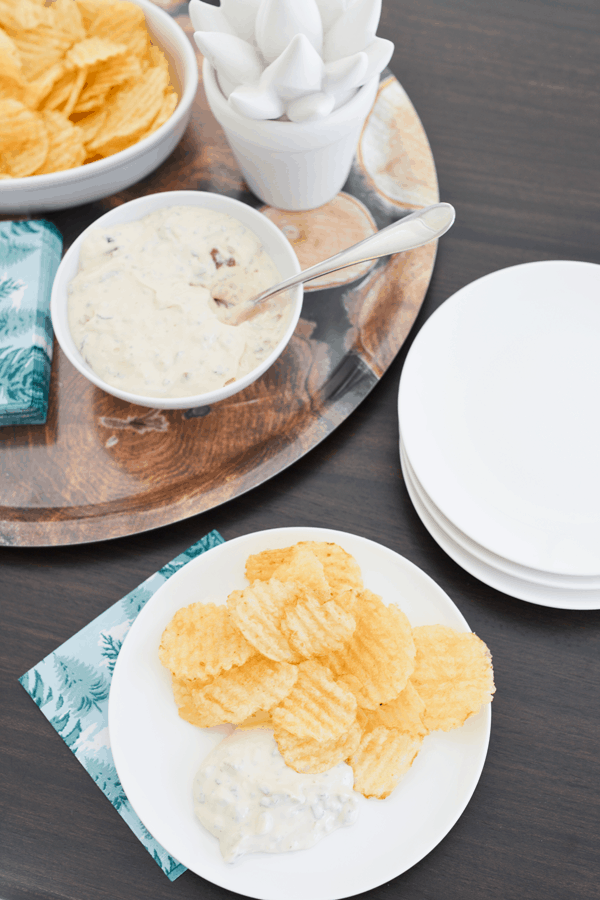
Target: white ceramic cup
column 293, row 165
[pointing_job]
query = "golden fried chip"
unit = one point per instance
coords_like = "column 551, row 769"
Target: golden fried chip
column 66, row 148
column 132, row 109
column 104, row 79
column 182, row 692
column 22, row 14
column 341, row 569
column 405, row 712
column 66, row 19
column 314, row 629
column 91, row 124
column 453, row 675
column 47, row 42
column 123, row 23
column 94, row 50
column 380, row 653
column 201, row 640
column 305, row 568
column 23, row 139
column 165, row 112
column 10, row 58
column 317, row 707
column 89, row 9
column 61, row 90
column 261, row 566
column 37, row 91
column 260, row 719
column 382, row 758
column 240, row 692
column 257, row 612
column 307, row 755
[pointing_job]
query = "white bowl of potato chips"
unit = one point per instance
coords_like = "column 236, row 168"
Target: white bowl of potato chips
column 386, row 675
column 94, row 95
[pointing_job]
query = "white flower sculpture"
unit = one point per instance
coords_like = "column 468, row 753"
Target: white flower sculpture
column 299, row 59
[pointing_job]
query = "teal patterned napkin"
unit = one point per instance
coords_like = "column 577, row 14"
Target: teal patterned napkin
column 71, row 687
column 29, row 257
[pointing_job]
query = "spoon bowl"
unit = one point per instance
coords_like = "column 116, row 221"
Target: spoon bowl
column 408, row 233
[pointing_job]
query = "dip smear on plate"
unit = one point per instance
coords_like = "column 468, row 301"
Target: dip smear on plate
column 141, row 310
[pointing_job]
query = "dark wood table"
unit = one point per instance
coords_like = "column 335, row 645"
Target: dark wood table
column 508, row 93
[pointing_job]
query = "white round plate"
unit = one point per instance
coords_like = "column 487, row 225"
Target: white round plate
column 541, row 595
column 157, row 754
column 568, row 582
column 498, row 413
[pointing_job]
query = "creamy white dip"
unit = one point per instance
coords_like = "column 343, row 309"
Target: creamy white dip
column 251, row 801
column 141, row 311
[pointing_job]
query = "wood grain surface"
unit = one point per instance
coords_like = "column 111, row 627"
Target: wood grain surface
column 104, row 468
column 507, row 91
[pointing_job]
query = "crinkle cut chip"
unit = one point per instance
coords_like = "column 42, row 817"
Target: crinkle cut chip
column 240, row 692
column 314, row 629
column 380, row 653
column 201, row 641
column 308, row 755
column 317, row 707
column 257, row 612
column 383, row 757
column 453, row 675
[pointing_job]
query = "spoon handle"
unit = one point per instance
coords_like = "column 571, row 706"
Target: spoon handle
column 412, row 231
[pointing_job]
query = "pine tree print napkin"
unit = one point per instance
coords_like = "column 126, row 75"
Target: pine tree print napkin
column 71, row 687
column 29, row 257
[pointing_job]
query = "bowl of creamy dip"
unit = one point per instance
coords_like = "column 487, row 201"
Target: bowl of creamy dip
column 135, row 303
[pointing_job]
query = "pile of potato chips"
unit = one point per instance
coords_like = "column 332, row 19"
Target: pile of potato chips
column 336, row 673
column 79, row 80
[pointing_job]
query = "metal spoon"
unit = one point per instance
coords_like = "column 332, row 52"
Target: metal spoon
column 412, row 231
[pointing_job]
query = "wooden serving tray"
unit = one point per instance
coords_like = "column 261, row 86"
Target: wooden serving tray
column 102, row 468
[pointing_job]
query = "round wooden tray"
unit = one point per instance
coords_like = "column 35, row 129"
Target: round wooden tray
column 101, row 468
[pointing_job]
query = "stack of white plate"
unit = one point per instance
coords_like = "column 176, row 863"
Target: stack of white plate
column 499, row 411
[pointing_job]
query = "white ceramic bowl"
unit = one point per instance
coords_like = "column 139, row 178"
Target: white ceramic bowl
column 60, row 190
column 273, row 240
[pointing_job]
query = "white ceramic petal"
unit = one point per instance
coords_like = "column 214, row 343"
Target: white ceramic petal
column 234, row 59
column 297, row 71
column 209, row 18
column 248, row 100
column 242, row 14
column 344, row 97
column 379, row 52
column 278, row 21
column 331, row 10
column 345, row 74
column 353, row 31
column 227, row 86
column 310, row 107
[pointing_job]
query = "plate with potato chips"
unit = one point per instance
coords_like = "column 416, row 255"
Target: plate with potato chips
column 350, row 653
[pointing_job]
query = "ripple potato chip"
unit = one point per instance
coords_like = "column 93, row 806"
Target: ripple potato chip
column 315, row 629
column 201, row 641
column 453, row 675
column 240, row 692
column 317, row 707
column 66, row 148
column 258, row 610
column 384, row 755
column 307, row 755
column 305, row 568
column 23, row 139
column 380, row 653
